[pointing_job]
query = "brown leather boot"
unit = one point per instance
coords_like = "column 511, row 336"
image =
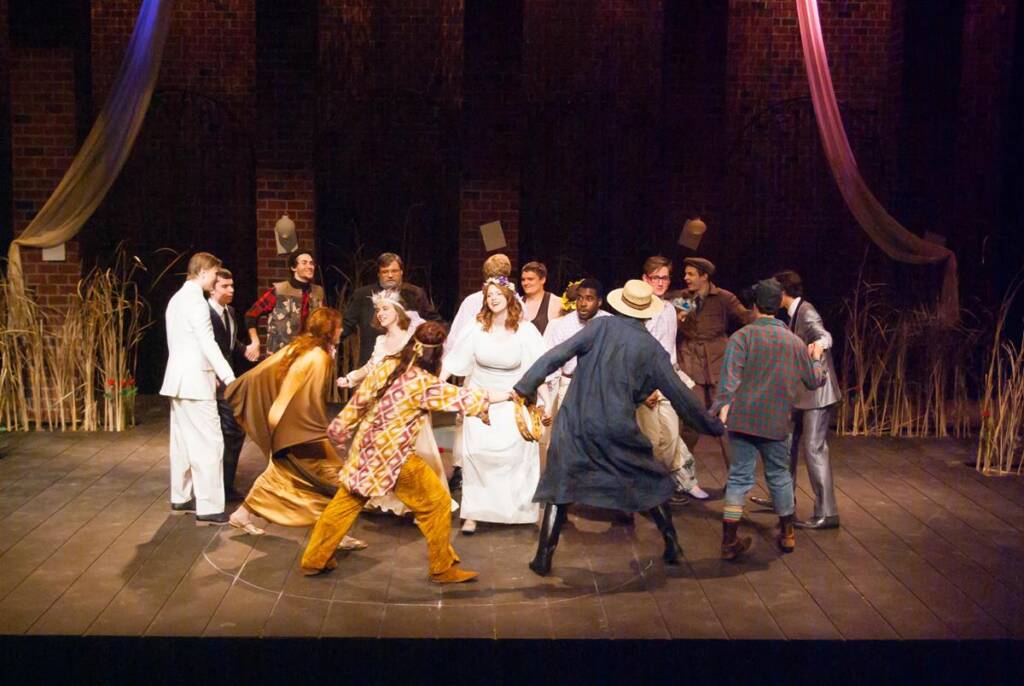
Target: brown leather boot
column 787, row 534
column 733, row 545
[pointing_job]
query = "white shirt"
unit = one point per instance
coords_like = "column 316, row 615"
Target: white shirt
column 560, row 330
column 219, row 309
column 825, row 341
column 663, row 328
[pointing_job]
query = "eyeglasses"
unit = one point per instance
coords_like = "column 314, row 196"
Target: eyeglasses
column 660, row 278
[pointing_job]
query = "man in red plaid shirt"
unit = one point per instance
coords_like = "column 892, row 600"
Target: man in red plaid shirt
column 764, row 365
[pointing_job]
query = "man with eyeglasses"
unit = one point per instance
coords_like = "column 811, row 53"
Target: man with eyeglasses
column 360, row 313
column 657, row 420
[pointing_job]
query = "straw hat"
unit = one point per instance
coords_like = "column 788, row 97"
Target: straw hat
column 635, row 299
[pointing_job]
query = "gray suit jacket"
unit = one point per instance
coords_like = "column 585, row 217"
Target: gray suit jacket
column 806, row 323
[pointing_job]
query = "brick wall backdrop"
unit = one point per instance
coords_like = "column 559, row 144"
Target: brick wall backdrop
column 481, row 202
column 286, row 58
column 6, row 188
column 780, row 204
column 594, row 139
column 43, row 143
column 492, row 126
column 590, row 129
column 987, row 59
column 388, row 143
column 189, row 183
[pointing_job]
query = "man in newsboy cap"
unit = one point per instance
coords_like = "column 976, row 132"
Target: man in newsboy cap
column 765, row 364
column 704, row 325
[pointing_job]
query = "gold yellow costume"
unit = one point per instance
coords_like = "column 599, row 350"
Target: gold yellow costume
column 287, row 418
column 382, row 460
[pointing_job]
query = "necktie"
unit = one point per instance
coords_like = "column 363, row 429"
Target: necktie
column 227, row 326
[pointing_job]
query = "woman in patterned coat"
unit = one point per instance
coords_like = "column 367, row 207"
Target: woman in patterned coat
column 385, row 416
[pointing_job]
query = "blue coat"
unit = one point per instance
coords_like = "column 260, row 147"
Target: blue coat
column 598, row 455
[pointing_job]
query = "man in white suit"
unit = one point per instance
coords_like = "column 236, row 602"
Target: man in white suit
column 194, row 363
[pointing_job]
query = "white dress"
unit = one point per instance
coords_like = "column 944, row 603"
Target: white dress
column 426, row 445
column 500, row 469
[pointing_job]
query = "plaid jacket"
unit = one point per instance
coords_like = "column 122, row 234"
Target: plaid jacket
column 764, row 363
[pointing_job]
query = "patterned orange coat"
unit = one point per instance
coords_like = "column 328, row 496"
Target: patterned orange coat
column 386, row 430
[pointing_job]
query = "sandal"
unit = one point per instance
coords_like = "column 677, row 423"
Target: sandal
column 247, row 527
column 352, row 543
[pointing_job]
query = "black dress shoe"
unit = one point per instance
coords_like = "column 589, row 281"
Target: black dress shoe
column 189, row 506
column 819, row 523
column 679, row 498
column 218, row 519
column 455, row 482
column 763, row 502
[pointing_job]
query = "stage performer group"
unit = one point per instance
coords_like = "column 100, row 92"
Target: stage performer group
column 585, row 398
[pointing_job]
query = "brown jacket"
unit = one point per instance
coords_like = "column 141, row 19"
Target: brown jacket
column 701, row 336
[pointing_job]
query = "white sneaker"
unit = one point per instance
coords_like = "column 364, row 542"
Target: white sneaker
column 468, row 527
column 698, row 493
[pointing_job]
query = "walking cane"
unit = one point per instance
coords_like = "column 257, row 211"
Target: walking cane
column 723, row 440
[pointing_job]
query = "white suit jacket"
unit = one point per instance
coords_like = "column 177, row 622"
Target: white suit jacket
column 194, row 360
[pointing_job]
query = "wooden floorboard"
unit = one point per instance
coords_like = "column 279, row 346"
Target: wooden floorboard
column 928, row 549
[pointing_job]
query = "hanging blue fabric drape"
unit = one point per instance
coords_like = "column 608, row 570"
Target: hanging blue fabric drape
column 108, row 144
column 888, row 234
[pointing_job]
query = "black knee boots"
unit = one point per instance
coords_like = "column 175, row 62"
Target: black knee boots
column 662, row 516
column 550, row 527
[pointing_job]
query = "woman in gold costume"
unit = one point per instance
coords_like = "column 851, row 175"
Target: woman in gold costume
column 280, row 404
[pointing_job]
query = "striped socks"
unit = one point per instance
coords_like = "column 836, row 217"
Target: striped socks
column 732, row 513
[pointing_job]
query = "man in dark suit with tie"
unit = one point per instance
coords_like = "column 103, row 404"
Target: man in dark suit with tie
column 225, row 332
column 812, row 408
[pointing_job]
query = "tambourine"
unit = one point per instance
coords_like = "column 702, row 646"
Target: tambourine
column 528, row 419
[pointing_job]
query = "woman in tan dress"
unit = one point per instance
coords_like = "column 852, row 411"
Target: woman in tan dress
column 281, row 405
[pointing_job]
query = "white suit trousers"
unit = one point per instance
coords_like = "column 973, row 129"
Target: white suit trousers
column 197, row 455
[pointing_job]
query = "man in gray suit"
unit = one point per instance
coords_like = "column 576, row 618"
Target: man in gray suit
column 812, row 409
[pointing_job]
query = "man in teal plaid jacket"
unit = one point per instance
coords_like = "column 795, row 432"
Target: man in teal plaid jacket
column 763, row 367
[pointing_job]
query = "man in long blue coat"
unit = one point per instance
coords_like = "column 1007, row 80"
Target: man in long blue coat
column 598, row 455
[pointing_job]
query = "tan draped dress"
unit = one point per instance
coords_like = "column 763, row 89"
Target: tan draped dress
column 287, row 418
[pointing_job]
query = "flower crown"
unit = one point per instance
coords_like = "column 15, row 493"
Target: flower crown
column 498, row 281
column 387, row 296
column 569, row 304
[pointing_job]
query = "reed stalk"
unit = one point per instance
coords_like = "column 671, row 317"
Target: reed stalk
column 904, row 373
column 53, row 359
column 1002, row 403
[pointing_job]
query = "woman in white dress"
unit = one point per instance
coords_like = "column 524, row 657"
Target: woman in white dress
column 398, row 325
column 500, row 469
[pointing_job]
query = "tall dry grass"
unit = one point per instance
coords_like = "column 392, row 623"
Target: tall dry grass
column 74, row 368
column 904, row 373
column 1001, row 440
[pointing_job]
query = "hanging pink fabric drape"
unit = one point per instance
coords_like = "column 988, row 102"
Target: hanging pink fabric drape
column 103, row 154
column 887, row 233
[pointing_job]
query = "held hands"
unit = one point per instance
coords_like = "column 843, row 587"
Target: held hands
column 815, row 351
column 500, row 396
column 336, row 432
column 252, row 351
column 547, row 418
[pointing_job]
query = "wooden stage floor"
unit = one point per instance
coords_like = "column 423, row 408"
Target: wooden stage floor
column 928, row 549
